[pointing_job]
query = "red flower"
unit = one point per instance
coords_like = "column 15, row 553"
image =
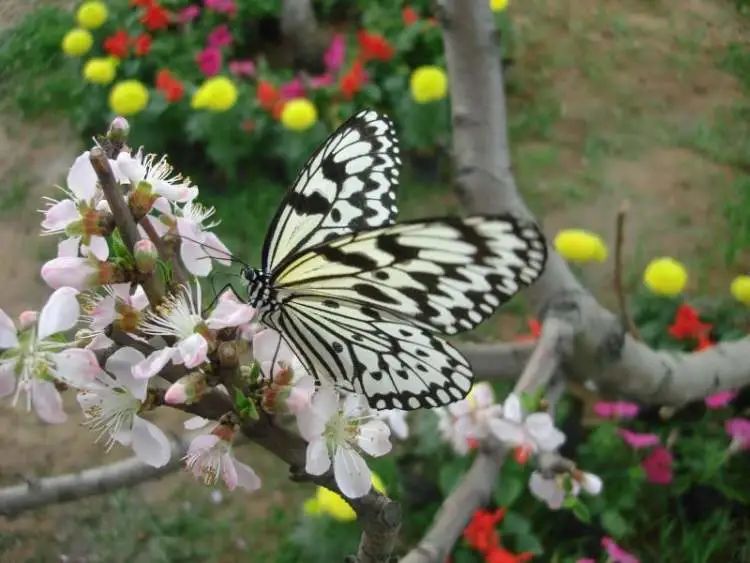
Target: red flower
column 155, row 17
column 688, row 326
column 352, row 81
column 658, row 466
column 499, row 554
column 374, row 46
column 169, row 85
column 267, row 95
column 117, row 44
column 535, row 329
column 142, row 44
column 409, row 15
column 480, row 533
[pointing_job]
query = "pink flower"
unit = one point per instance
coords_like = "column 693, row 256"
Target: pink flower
column 292, row 89
column 739, row 430
column 229, row 313
column 334, row 56
column 242, row 68
column 210, row 456
column 189, row 13
column 209, row 61
column 658, row 466
column 117, row 305
column 221, row 6
column 636, row 440
column 322, row 80
column 616, row 409
column 79, row 273
column 616, row 553
column 220, row 36
column 719, row 400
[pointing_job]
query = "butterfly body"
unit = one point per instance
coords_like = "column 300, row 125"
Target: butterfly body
column 362, row 300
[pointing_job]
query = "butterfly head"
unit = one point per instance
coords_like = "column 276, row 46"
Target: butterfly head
column 259, row 291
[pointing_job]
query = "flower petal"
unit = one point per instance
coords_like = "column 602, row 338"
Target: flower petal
column 193, row 350
column 153, row 364
column 351, row 472
column 121, row 363
column 195, row 258
column 98, row 247
column 374, row 438
column 60, row 313
column 546, row 490
column 60, row 215
column 512, row 408
column 317, row 460
column 47, row 401
column 268, row 346
column 149, row 443
column 507, row 431
column 76, row 366
column 82, row 178
column 68, row 248
column 229, row 314
column 8, row 333
column 217, row 249
column 541, row 428
column 7, row 378
column 195, row 422
column 246, row 477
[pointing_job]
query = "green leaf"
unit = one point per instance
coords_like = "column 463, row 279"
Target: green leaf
column 509, row 489
column 515, row 524
column 529, row 542
column 614, row 523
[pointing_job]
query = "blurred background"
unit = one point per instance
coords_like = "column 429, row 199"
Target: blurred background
column 645, row 101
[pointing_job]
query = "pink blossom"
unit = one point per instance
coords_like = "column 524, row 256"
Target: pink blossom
column 220, row 36
column 616, row 409
column 616, row 553
column 334, row 56
column 322, row 80
column 68, row 271
column 292, row 89
column 209, row 61
column 27, row 318
column 658, row 466
column 210, row 456
column 637, row 440
column 242, row 67
column 221, row 6
column 189, row 13
column 739, row 430
column 230, row 313
column 720, row 400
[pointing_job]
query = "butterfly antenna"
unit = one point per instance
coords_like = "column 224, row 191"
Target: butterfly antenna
column 229, row 256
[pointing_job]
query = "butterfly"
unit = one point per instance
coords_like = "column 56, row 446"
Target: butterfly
column 362, row 300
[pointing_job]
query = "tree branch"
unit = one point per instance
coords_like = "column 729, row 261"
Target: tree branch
column 95, row 481
column 619, row 287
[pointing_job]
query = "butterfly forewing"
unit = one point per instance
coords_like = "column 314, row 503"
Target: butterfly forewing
column 371, row 351
column 346, row 186
column 443, row 275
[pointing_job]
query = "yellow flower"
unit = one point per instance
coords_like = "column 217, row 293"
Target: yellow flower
column 215, row 94
column 91, row 14
column 740, row 289
column 428, row 84
column 665, row 276
column 498, row 5
column 333, row 505
column 99, row 70
column 579, row 245
column 299, row 114
column 128, row 97
column 77, row 42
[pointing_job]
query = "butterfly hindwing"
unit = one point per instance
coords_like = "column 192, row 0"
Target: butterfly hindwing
column 363, row 349
column 346, row 186
column 443, row 275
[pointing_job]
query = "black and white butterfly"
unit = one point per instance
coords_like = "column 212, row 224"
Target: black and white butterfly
column 361, row 299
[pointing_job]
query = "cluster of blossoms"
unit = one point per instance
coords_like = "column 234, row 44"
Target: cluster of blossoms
column 134, row 351
column 663, row 276
column 468, row 422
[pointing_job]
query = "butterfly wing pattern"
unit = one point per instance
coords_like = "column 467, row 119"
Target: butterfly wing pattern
column 361, row 300
column 347, row 185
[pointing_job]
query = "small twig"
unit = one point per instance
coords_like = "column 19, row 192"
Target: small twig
column 123, row 219
column 618, row 283
column 167, row 255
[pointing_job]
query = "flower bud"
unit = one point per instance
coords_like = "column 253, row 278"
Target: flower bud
column 141, row 199
column 145, row 256
column 27, row 318
column 80, row 273
column 119, row 129
column 187, row 389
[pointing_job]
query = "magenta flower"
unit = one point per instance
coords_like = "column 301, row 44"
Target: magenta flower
column 242, row 67
column 220, row 36
column 334, row 56
column 209, row 61
column 322, row 80
column 658, row 466
column 616, row 409
column 221, row 6
column 292, row 89
column 636, row 440
column 616, row 553
column 188, row 13
column 739, row 430
column 719, row 400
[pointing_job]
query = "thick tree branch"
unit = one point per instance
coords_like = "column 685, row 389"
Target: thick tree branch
column 504, row 360
column 475, row 488
column 89, row 482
